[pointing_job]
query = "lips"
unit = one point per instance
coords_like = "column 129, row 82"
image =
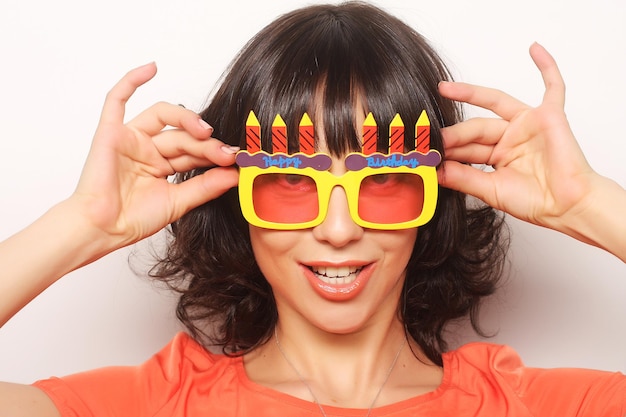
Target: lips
column 338, row 282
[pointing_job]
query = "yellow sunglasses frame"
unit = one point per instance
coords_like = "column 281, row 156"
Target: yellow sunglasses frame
column 350, row 182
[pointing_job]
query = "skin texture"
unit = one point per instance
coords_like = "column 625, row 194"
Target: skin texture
column 284, row 258
column 133, row 200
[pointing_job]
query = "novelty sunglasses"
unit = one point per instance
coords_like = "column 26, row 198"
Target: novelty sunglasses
column 384, row 191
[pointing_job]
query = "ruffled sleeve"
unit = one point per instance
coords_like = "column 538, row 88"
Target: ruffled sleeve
column 130, row 390
column 546, row 392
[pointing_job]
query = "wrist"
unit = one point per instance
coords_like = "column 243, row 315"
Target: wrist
column 57, row 243
column 76, row 228
column 598, row 218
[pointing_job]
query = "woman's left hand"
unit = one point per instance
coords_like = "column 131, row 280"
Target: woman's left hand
column 540, row 174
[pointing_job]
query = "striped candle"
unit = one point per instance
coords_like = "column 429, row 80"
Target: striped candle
column 370, row 135
column 253, row 133
column 396, row 135
column 306, row 135
column 279, row 135
column 422, row 133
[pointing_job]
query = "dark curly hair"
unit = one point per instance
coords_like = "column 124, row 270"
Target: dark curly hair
column 322, row 59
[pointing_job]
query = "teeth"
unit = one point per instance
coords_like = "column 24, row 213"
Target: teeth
column 336, row 275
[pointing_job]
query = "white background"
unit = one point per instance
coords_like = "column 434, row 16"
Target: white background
column 563, row 302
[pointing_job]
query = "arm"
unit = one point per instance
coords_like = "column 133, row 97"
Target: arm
column 18, row 400
column 123, row 194
column 534, row 155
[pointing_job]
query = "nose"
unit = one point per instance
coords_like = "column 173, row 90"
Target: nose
column 338, row 228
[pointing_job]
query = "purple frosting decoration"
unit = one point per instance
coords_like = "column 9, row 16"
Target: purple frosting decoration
column 319, row 162
column 413, row 159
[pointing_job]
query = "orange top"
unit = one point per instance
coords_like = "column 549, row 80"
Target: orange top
column 184, row 380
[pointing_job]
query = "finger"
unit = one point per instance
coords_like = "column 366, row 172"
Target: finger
column 114, row 104
column 186, row 163
column 473, row 153
column 552, row 78
column 486, row 131
column 155, row 118
column 468, row 180
column 202, row 188
column 491, row 99
column 179, row 145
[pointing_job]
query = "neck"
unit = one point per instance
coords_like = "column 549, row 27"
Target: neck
column 362, row 352
column 308, row 385
column 345, row 370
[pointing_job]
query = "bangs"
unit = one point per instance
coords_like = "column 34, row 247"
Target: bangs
column 312, row 72
column 337, row 63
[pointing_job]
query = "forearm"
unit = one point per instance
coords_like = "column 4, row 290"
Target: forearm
column 33, row 259
column 601, row 220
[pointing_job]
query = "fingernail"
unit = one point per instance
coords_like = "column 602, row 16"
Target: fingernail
column 204, row 124
column 230, row 149
column 149, row 64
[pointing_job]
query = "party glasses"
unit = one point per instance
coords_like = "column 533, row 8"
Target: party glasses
column 384, row 191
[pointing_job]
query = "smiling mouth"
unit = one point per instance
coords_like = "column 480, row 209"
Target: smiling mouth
column 336, row 275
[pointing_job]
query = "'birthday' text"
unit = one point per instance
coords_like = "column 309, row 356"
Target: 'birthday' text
column 393, row 160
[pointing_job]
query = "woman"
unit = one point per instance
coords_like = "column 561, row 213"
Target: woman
column 293, row 346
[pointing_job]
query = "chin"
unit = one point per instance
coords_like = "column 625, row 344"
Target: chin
column 342, row 321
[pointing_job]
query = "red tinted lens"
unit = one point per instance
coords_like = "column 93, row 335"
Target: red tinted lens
column 285, row 198
column 391, row 198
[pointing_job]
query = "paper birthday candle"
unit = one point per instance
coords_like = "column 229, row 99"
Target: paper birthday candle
column 396, row 135
column 370, row 135
column 279, row 135
column 306, row 135
column 253, row 133
column 422, row 133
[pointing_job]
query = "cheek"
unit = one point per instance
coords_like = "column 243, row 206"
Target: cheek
column 398, row 246
column 272, row 247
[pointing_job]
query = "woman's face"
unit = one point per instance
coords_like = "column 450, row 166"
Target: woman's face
column 337, row 276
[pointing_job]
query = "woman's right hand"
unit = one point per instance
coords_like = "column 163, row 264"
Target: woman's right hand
column 123, row 194
column 123, row 191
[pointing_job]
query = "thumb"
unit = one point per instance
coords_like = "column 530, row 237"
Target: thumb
column 202, row 188
column 468, row 180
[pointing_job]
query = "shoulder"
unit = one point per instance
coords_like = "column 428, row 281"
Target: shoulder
column 483, row 358
column 483, row 366
column 497, row 371
column 184, row 349
column 183, row 358
column 180, row 370
column 479, row 353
